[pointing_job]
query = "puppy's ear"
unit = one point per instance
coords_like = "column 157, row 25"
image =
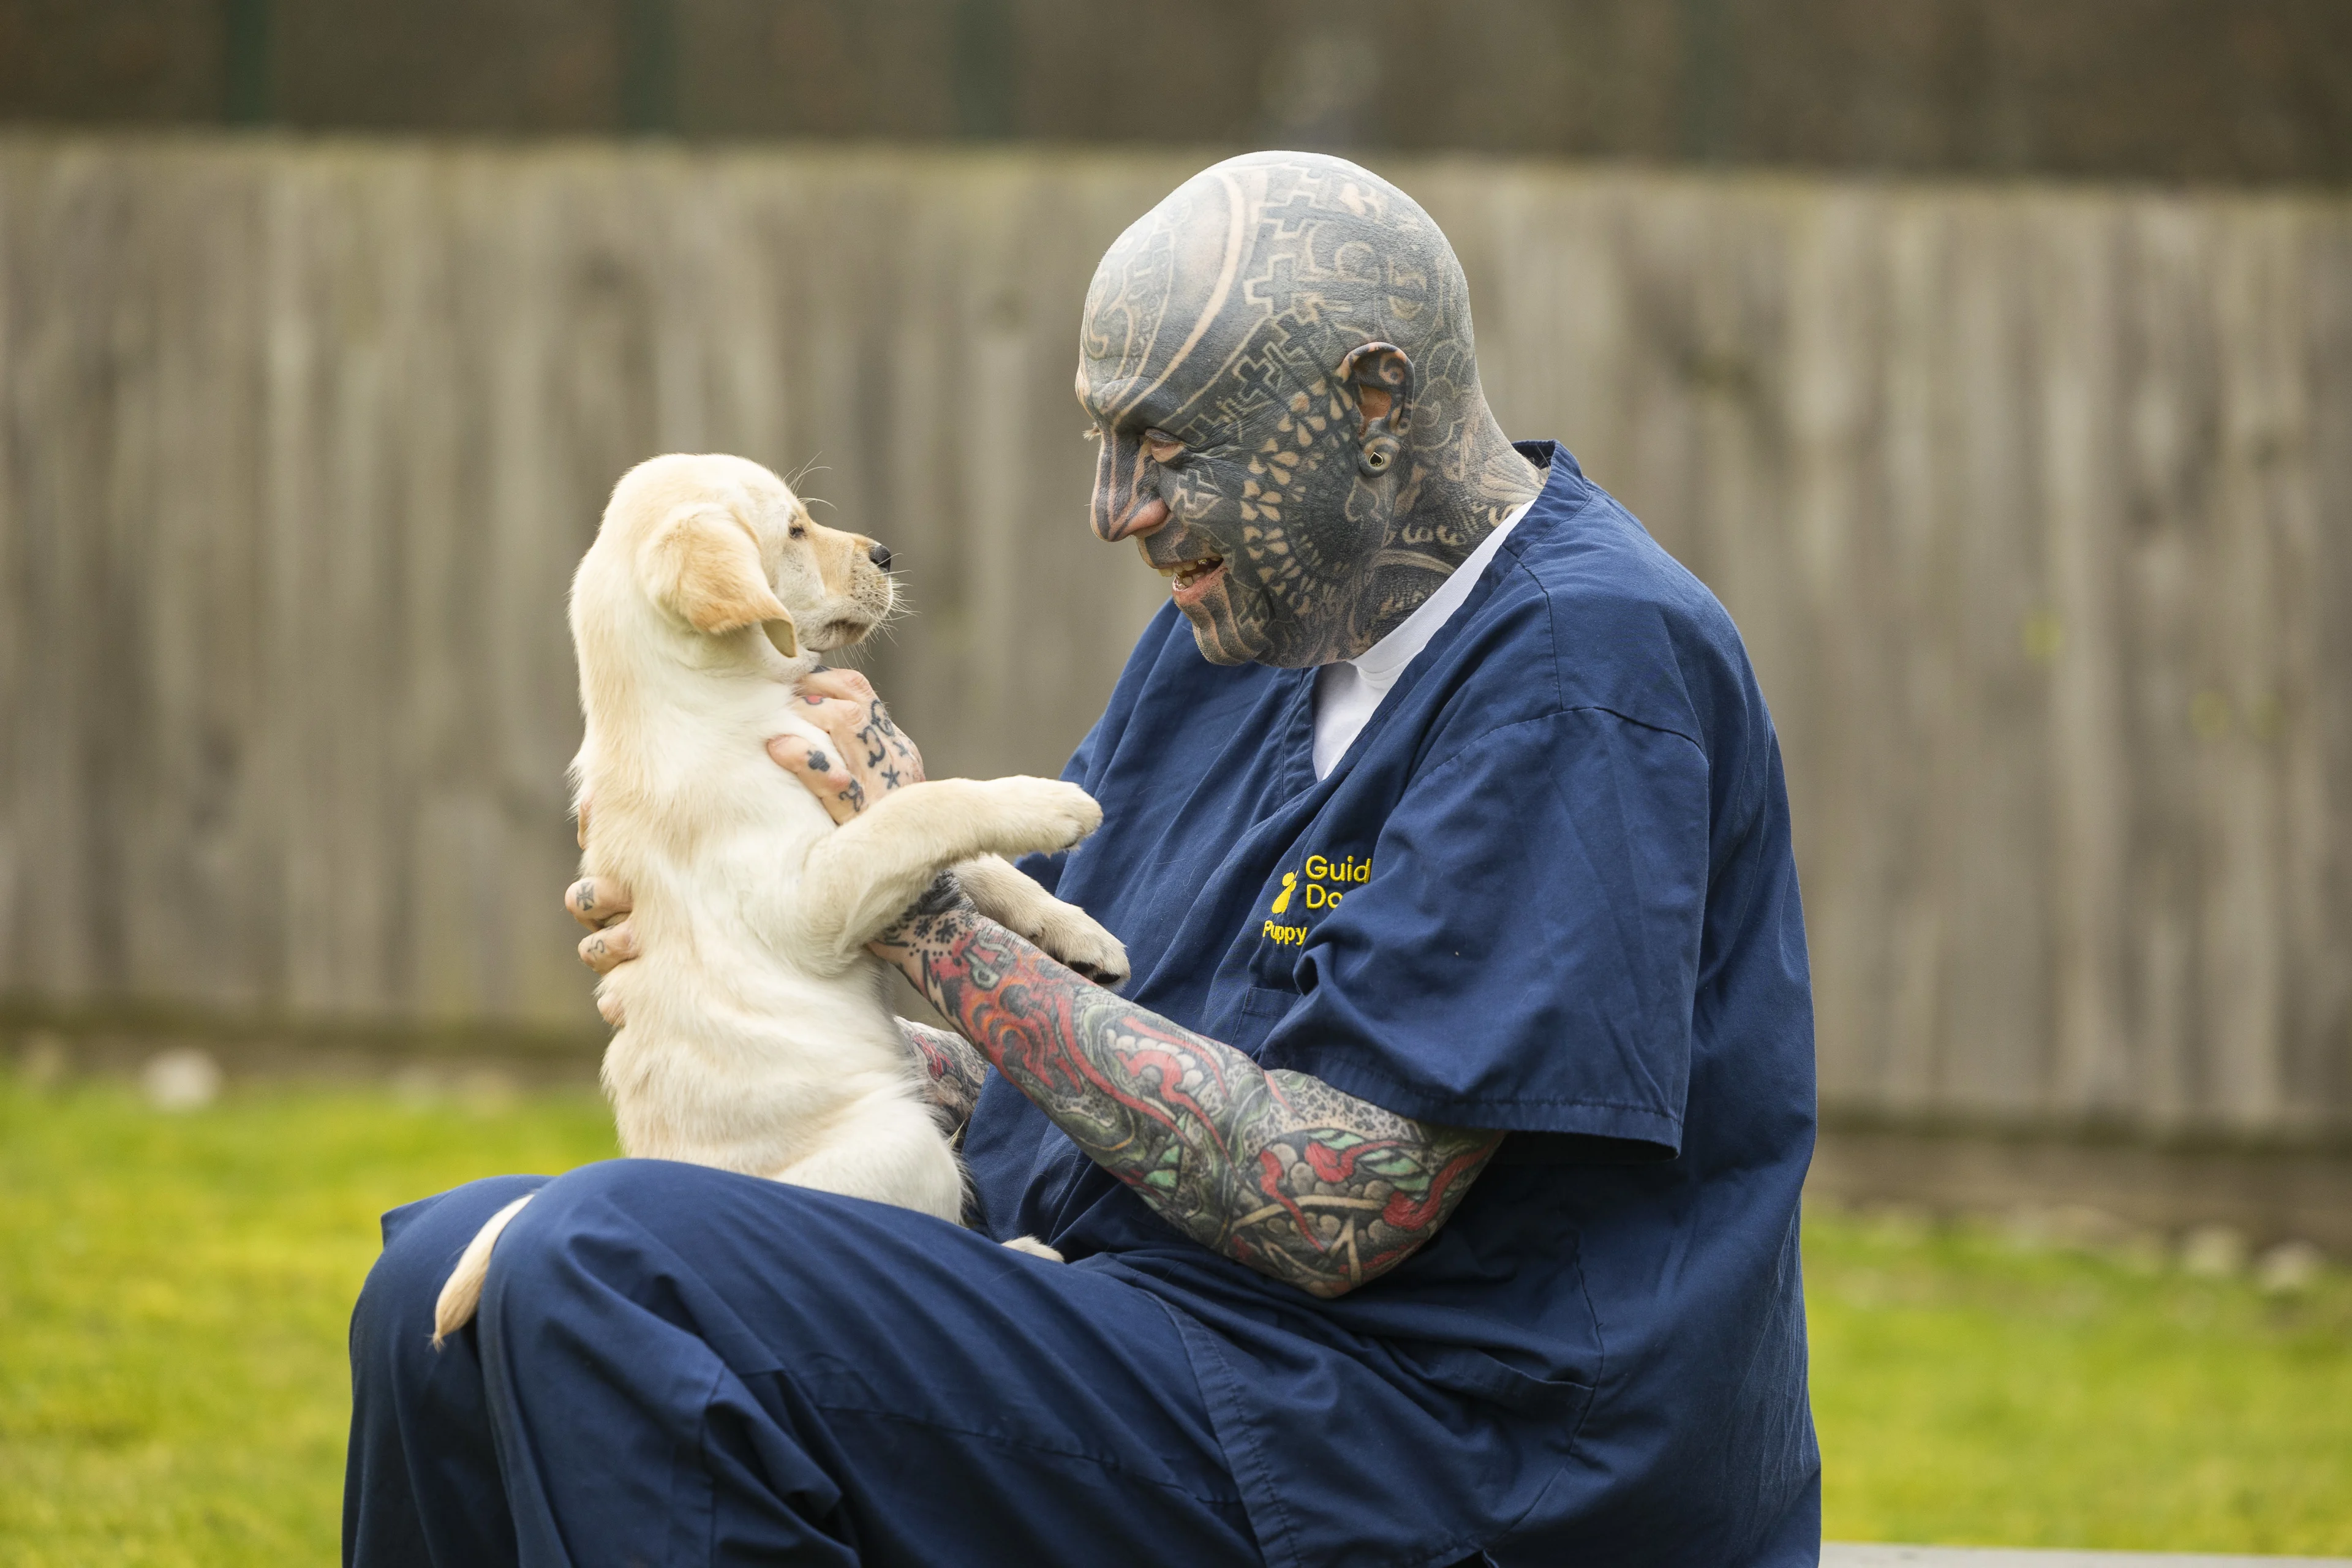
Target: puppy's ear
column 703, row 564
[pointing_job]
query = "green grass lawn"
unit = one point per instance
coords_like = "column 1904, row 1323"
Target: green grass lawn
column 173, row 1291
column 1973, row 1392
column 173, row 1295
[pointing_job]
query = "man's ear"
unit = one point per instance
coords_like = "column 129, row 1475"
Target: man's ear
column 1379, row 379
column 703, row 564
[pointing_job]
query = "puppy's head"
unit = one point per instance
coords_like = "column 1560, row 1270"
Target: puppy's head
column 720, row 543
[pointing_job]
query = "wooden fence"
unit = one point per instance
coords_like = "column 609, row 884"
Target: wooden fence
column 2035, row 506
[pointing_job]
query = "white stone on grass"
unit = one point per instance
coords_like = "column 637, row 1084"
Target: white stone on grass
column 183, row 1078
column 2213, row 1252
column 2289, row 1268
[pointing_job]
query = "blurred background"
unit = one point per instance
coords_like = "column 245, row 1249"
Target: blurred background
column 1991, row 359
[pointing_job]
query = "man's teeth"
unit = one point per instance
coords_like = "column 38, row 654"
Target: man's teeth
column 1186, row 572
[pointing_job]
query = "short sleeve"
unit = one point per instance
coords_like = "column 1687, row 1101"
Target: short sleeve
column 1523, row 954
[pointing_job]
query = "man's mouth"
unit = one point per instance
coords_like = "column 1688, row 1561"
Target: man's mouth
column 1189, row 579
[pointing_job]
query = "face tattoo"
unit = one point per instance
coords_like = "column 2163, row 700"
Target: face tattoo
column 1278, row 361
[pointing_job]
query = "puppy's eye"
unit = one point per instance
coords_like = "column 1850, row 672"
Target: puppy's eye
column 797, row 531
column 1163, row 447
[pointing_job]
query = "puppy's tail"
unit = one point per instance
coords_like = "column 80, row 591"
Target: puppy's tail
column 462, row 1293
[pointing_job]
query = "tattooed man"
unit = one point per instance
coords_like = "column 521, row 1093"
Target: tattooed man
column 1428, row 1196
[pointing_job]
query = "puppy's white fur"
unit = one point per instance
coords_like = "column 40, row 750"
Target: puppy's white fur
column 758, row 1038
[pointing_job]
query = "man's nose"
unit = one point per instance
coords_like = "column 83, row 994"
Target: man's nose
column 880, row 556
column 1124, row 504
column 1151, row 515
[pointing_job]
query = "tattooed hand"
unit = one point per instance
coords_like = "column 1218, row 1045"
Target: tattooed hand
column 870, row 757
column 603, row 905
column 1276, row 1170
column 1279, row 363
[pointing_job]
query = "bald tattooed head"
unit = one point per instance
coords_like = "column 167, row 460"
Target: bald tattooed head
column 1278, row 361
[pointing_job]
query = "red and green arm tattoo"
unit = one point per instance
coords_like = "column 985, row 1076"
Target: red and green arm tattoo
column 953, row 1070
column 1276, row 1170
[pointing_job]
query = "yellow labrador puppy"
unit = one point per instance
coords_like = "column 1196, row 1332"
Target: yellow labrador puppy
column 757, row 1035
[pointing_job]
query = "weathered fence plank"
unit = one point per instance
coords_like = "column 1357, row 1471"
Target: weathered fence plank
column 2034, row 505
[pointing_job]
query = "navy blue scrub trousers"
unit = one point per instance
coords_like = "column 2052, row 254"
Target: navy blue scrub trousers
column 678, row 1365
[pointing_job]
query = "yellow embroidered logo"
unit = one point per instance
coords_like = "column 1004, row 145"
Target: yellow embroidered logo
column 1314, row 895
column 1320, row 871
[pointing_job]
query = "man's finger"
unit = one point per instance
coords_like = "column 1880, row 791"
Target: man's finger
column 837, row 717
column 846, row 684
column 605, row 951
column 596, row 901
column 821, row 768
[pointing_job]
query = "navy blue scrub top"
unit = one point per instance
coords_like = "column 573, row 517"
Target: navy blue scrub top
column 1548, row 889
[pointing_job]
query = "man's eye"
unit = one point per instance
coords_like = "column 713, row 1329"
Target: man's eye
column 1163, row 447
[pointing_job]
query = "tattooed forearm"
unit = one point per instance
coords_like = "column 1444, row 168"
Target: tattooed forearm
column 1276, row 1170
column 954, row 1069
column 1277, row 360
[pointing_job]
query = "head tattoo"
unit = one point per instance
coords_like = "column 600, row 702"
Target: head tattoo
column 1278, row 361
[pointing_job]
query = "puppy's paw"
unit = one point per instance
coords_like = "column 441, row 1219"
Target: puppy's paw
column 1064, row 930
column 1073, row 936
column 1035, row 1249
column 1039, row 816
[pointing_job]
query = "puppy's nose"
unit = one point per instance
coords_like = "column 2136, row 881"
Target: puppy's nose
column 880, row 556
